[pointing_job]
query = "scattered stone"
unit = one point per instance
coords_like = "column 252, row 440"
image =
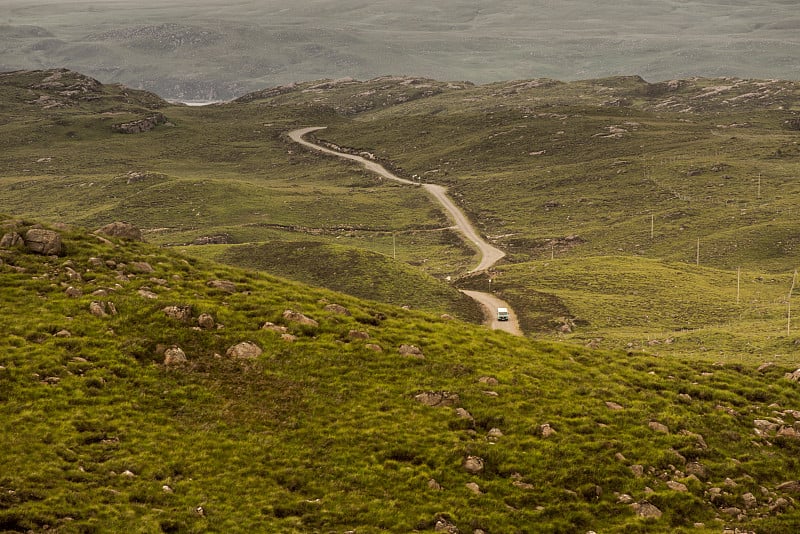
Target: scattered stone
column 96, row 263
column 411, row 351
column 473, row 465
column 274, row 327
column 299, row 318
column 45, row 242
column 620, row 457
column 128, row 473
column 764, row 366
column 732, row 511
column 495, row 433
column 614, row 406
column 749, row 500
column 523, row 485
column 435, row 486
column 174, row 356
column 63, row 333
column 763, row 425
column 180, row 313
column 788, row 432
column 461, row 413
column 625, row 499
column 474, row 488
column 695, row 468
column 445, row 526
column 676, row 486
column 73, row 292
column 546, row 430
column 700, row 442
column 446, row 317
column 337, row 309
column 685, row 398
column 637, row 470
column 146, row 293
column 141, row 267
column 166, row 489
column 121, row 230
column 646, row 510
column 373, row 346
column 792, row 486
column 489, row 380
column 141, row 125
column 491, row 393
column 357, row 334
column 244, row 351
column 102, row 308
column 222, row 285
column 206, row 321
column 288, row 337
column 794, row 377
column 658, row 427
column 11, row 239
column 438, row 398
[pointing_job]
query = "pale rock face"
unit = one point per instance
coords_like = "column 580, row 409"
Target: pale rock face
column 45, row 242
column 244, row 351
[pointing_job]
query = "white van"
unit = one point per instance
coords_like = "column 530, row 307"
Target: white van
column 502, row 314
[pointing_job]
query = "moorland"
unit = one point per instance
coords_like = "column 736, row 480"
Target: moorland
column 651, row 253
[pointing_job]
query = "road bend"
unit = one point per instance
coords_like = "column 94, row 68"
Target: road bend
column 489, row 254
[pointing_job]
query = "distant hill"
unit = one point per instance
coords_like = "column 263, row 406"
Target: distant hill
column 212, row 51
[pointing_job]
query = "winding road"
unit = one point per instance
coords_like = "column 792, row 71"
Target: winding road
column 489, row 254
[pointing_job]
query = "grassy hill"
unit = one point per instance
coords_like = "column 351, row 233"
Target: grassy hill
column 104, row 429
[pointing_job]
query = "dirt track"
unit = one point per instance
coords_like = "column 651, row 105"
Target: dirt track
column 489, row 254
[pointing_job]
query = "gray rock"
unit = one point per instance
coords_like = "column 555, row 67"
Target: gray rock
column 474, row 465
column 244, row 351
column 435, row 486
column 63, row 333
column 222, row 285
column 299, row 318
column 141, row 125
column 122, row 230
column 140, row 267
column 338, row 309
column 411, row 351
column 645, row 509
column 274, row 328
column 749, row 500
column 146, row 293
column 357, row 334
column 11, row 239
column 794, row 376
column 614, row 406
column 102, row 308
column 180, row 313
column 546, row 430
column 488, row 380
column 464, row 414
column 438, row 398
column 676, row 486
column 73, row 292
column 174, row 356
column 374, row 347
column 474, row 488
column 45, row 242
column 206, row 321
column 658, row 427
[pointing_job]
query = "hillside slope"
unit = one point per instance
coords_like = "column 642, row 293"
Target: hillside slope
column 340, row 424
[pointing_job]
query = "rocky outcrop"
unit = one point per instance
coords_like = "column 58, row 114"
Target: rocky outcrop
column 299, row 318
column 142, row 125
column 11, row 239
column 244, row 351
column 122, row 230
column 46, row 242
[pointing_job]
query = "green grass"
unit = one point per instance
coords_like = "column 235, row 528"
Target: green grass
column 324, row 434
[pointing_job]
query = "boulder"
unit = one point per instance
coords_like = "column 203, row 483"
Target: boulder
column 102, row 308
column 122, row 230
column 141, row 125
column 645, row 509
column 464, row 414
column 474, row 488
column 337, row 309
column 374, row 347
column 438, row 398
column 613, row 406
column 244, row 351
column 140, row 267
column 73, row 292
column 435, row 486
column 174, row 356
column 147, row 294
column 299, row 318
column 488, row 380
column 546, row 430
column 676, row 486
column 11, row 239
column 274, row 327
column 45, row 242
column 412, row 351
column 794, row 376
column 658, row 427
column 358, row 334
column 181, row 313
column 206, row 321
column 222, row 285
column 473, row 465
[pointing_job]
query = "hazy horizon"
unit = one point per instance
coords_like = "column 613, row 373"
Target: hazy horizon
column 213, row 50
